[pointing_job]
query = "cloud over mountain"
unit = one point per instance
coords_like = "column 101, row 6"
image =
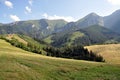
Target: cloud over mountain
column 14, row 18
column 55, row 17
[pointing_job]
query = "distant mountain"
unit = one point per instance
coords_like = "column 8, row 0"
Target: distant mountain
column 91, row 35
column 71, row 26
column 91, row 29
column 33, row 28
column 1, row 24
column 99, row 34
column 90, row 19
column 113, row 21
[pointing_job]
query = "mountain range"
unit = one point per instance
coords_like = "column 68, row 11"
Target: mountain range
column 91, row 29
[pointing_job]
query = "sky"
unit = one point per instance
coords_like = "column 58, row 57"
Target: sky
column 69, row 10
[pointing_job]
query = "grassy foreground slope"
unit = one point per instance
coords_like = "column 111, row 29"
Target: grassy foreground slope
column 111, row 52
column 17, row 64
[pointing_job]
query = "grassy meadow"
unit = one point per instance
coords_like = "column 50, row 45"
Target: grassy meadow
column 111, row 52
column 17, row 64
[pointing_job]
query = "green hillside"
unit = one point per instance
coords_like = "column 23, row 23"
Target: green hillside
column 25, row 42
column 17, row 64
column 34, row 28
column 24, row 39
column 48, row 39
column 31, row 40
column 1, row 24
column 61, row 39
column 94, row 34
column 99, row 34
column 74, row 36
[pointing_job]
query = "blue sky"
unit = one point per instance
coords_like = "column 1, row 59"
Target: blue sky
column 69, row 10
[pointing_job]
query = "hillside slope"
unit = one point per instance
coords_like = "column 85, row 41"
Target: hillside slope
column 34, row 28
column 94, row 34
column 110, row 52
column 17, row 64
column 113, row 21
column 90, row 19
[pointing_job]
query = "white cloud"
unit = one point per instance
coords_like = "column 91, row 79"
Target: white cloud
column 55, row 17
column 9, row 4
column 45, row 15
column 30, row 2
column 14, row 18
column 114, row 2
column 28, row 9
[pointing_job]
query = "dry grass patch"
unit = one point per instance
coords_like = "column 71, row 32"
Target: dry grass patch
column 10, row 36
column 111, row 52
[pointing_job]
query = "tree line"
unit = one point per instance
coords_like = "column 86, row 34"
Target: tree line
column 74, row 52
column 71, row 52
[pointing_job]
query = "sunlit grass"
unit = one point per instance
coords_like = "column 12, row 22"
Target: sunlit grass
column 110, row 52
column 17, row 64
column 48, row 40
column 10, row 36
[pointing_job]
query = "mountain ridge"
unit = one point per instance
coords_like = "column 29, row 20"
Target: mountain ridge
column 90, row 19
column 94, row 34
column 112, row 21
column 41, row 29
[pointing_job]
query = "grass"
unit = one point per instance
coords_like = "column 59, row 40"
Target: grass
column 74, row 36
column 30, row 40
column 17, row 64
column 48, row 40
column 10, row 36
column 110, row 52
